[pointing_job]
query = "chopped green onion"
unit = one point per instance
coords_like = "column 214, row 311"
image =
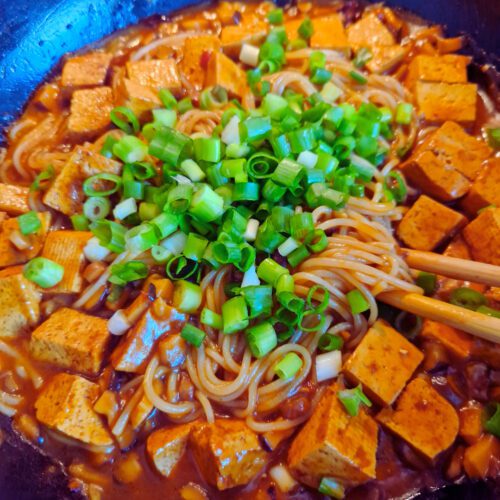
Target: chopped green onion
column 165, row 224
column 396, row 186
column 133, row 270
column 80, row 222
column 211, row 318
column 321, row 307
column 192, row 170
column 256, row 128
column 44, row 272
column 167, row 99
column 125, row 208
column 270, row 271
column 193, row 335
column 489, row 311
column 275, row 16
column 184, row 105
column 234, row 315
column 493, row 135
column 306, row 29
column 29, row 223
column 363, row 56
column 357, row 302
column 301, row 224
column 404, row 111
column 320, row 76
column 107, row 147
column 328, row 342
column 111, row 235
column 206, row 204
column 181, row 268
column 163, row 118
column 358, row 77
column 213, row 97
column 170, row 145
column 148, row 211
column 492, row 424
column 427, row 281
column 317, row 241
column 195, row 246
column 468, row 298
column 130, row 123
column 259, row 299
column 187, row 296
column 160, row 254
column 179, row 198
column 141, row 238
column 331, row 487
column 130, row 149
column 40, row 180
column 352, row 399
column 96, row 208
column 288, row 173
column 261, row 339
column 298, row 255
column 143, row 170
column 285, row 283
column 288, row 366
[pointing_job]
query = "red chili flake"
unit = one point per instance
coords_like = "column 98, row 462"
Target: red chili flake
column 204, row 58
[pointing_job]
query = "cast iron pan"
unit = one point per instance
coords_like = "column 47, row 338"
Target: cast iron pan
column 34, row 35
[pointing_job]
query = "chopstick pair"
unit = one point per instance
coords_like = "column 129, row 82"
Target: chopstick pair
column 477, row 324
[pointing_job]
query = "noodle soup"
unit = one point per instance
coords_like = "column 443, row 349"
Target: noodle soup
column 206, row 223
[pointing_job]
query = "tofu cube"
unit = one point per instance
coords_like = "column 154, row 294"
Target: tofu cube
column 486, row 188
column 334, row 444
column 194, row 48
column 422, row 418
column 369, row 31
column 224, row 72
column 453, row 146
column 157, row 74
column 456, row 342
column 438, row 102
column 66, row 193
column 89, row 112
column 471, row 417
column 140, row 98
column 435, row 177
column 141, row 412
column 86, row 71
column 449, row 68
column 19, row 305
column 14, row 199
column 383, row 362
column 167, row 446
column 227, row 452
column 329, row 33
column 483, row 236
column 481, row 459
column 428, row 224
column 10, row 255
column 251, row 30
column 385, row 58
column 66, row 405
column 72, row 340
column 133, row 352
column 66, row 248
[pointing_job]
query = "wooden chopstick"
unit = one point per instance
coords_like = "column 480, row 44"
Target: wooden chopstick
column 461, row 269
column 480, row 325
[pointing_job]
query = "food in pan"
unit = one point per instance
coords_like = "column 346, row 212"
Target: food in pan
column 215, row 230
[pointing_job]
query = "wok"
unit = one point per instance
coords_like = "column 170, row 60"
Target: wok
column 34, row 35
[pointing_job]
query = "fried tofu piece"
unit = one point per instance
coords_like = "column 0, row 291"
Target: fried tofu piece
column 228, row 452
column 66, row 405
column 73, row 340
column 224, row 72
column 480, row 458
column 422, row 418
column 86, row 71
column 428, row 224
column 471, row 422
column 157, row 74
column 434, row 177
column 140, row 98
column 89, row 111
column 141, row 412
column 457, row 342
column 455, row 147
column 19, row 305
column 66, row 248
column 329, row 33
column 449, row 68
column 194, row 48
column 10, row 255
column 369, row 31
column 486, row 188
column 483, row 236
column 334, row 444
column 383, row 362
column 167, row 446
column 173, row 351
column 274, row 438
column 133, row 352
column 66, row 192
column 251, row 30
column 385, row 57
column 439, row 102
column 14, row 199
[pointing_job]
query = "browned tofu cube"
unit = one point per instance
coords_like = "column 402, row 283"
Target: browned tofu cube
column 140, row 98
column 251, row 30
column 369, row 31
column 274, row 438
column 194, row 48
column 452, row 145
column 422, row 418
column 14, row 199
column 133, row 352
column 66, row 405
column 167, row 446
column 449, row 68
column 435, row 177
column 141, row 412
column 224, row 72
column 329, row 33
column 89, row 112
column 428, row 224
column 471, row 418
column 486, row 188
column 228, row 452
column 73, row 340
column 456, row 342
column 483, row 236
column 65, row 193
column 157, row 74
column 87, row 70
column 385, row 58
column 481, row 459
column 19, row 305
column 66, row 248
column 334, row 444
column 438, row 102
column 10, row 254
column 383, row 362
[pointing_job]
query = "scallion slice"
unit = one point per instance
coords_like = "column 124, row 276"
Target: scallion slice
column 187, row 296
column 351, row 399
column 44, row 272
column 193, row 335
column 287, row 367
column 261, row 339
column 29, row 223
